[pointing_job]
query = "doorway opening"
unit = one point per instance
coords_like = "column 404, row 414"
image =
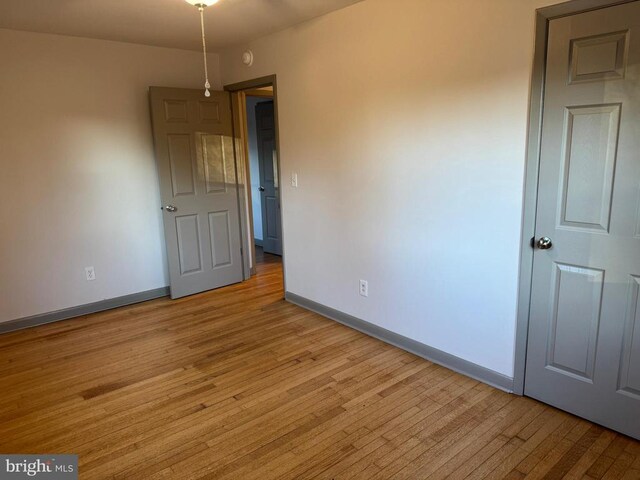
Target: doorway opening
column 254, row 106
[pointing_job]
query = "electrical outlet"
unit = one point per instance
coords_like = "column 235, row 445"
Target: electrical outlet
column 90, row 272
column 294, row 180
column 364, row 288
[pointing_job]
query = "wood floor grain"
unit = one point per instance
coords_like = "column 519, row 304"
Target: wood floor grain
column 238, row 384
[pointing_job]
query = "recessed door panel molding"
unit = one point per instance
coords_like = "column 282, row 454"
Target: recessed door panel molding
column 590, row 158
column 630, row 364
column 209, row 112
column 183, row 179
column 268, row 147
column 189, row 252
column 215, row 163
column 228, row 153
column 272, row 210
column 220, row 234
column 195, row 158
column 575, row 320
column 599, row 58
column 176, row 111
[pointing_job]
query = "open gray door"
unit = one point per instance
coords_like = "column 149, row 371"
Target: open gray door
column 584, row 330
column 193, row 140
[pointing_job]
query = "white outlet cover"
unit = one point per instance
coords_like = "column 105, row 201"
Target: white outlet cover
column 364, row 288
column 90, row 272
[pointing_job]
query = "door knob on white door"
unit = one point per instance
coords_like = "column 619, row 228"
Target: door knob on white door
column 261, row 189
column 544, row 243
column 171, row 208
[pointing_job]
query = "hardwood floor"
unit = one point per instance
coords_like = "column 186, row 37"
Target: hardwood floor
column 238, row 384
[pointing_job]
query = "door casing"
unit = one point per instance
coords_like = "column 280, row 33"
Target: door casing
column 532, row 166
column 238, row 91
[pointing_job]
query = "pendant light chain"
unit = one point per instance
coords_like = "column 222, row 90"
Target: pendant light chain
column 207, row 85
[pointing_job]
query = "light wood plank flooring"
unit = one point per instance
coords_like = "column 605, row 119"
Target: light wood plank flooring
column 238, row 384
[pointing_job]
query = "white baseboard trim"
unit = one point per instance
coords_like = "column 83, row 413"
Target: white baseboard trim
column 434, row 355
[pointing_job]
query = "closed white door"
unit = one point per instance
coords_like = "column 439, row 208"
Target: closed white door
column 584, row 336
column 193, row 137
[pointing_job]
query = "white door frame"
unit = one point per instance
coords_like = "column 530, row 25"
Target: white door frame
column 543, row 17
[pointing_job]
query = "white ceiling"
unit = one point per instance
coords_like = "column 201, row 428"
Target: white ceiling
column 167, row 23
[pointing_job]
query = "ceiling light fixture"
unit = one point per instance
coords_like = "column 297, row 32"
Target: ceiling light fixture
column 201, row 4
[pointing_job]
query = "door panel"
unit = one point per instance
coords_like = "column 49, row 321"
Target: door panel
column 183, row 180
column 599, row 57
column 175, row 111
column 592, row 143
column 270, row 195
column 220, row 233
column 271, row 210
column 215, row 163
column 630, row 363
column 575, row 319
column 196, row 169
column 188, row 244
column 209, row 112
column 583, row 352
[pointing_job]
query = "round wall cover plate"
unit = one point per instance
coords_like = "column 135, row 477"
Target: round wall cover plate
column 247, row 58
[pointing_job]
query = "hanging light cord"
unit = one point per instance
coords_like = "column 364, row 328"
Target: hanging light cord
column 207, row 85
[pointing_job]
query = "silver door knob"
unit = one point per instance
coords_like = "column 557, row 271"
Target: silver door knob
column 544, row 243
column 171, row 208
column 261, row 189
